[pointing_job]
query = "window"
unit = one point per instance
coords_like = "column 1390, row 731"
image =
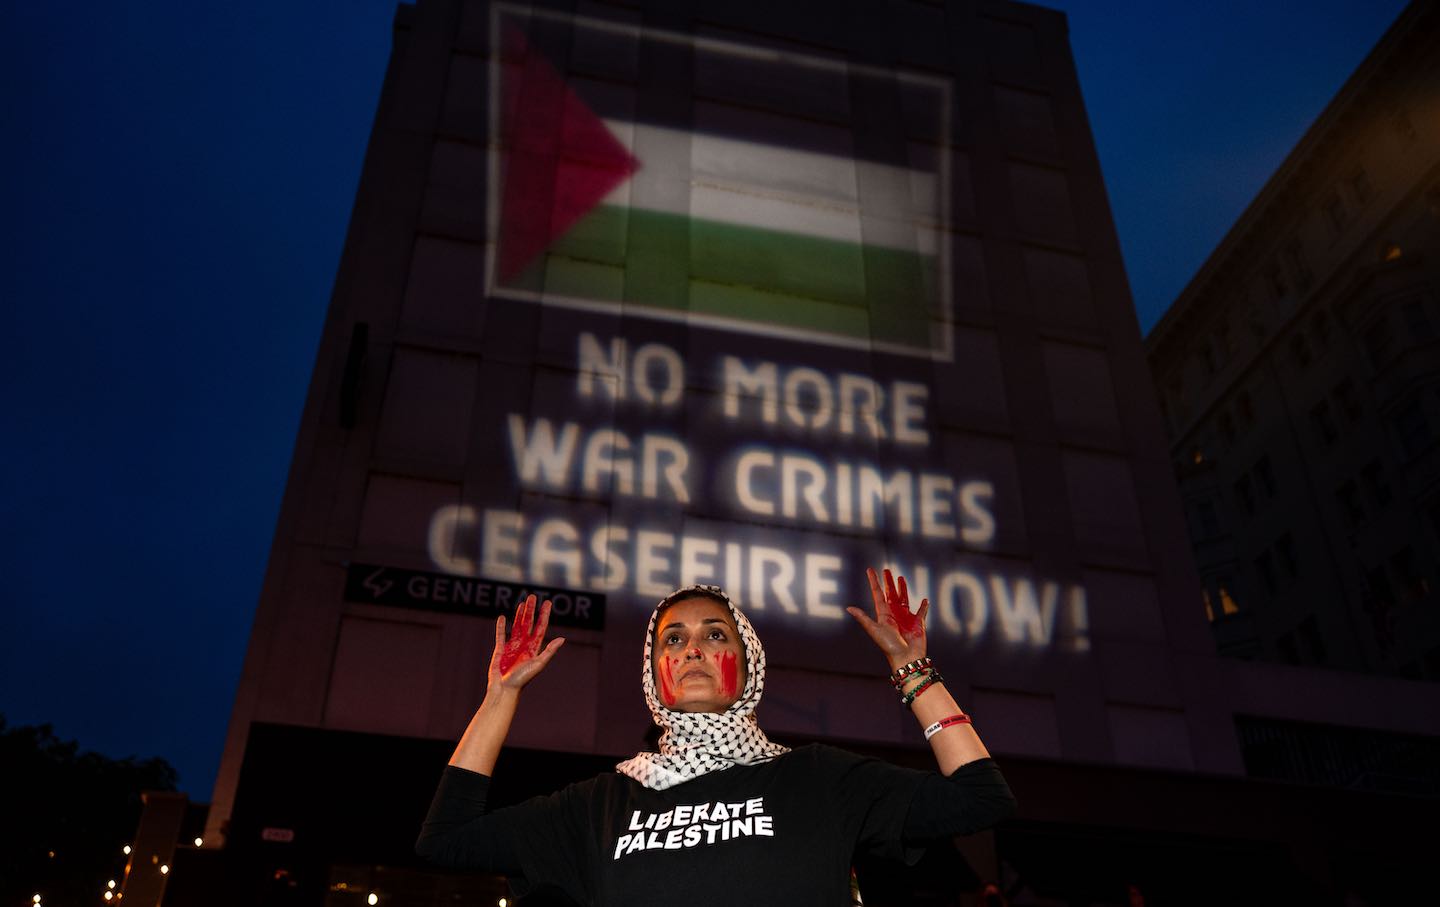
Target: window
column 1323, row 421
column 1206, row 355
column 1348, row 497
column 1278, row 286
column 1348, row 401
column 1209, row 609
column 1245, row 495
column 1403, row 127
column 1266, row 476
column 1209, row 521
column 1333, row 207
column 1408, row 575
column 1377, row 341
column 1289, row 652
column 1432, row 663
column 1359, row 184
column 1257, row 325
column 1178, row 405
column 1309, row 633
column 1375, row 484
column 1223, row 341
column 1265, row 567
column 1299, row 268
column 1377, row 587
column 1300, row 349
column 1417, row 320
column 1285, row 550
column 1412, row 427
column 1227, row 603
column 1247, row 409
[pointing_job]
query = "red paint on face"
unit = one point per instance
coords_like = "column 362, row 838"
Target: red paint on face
column 667, row 681
column 729, row 674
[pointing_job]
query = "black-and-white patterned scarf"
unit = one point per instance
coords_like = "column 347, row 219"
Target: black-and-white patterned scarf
column 696, row 743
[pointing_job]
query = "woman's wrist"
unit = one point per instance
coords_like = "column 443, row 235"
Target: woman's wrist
column 897, row 662
column 499, row 695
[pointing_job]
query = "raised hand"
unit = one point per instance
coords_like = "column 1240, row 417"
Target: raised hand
column 517, row 659
column 899, row 632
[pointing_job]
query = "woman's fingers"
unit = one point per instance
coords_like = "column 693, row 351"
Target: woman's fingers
column 877, row 594
column 544, row 657
column 904, row 594
column 540, row 627
column 523, row 616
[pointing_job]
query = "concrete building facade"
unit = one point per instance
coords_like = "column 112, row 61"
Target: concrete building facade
column 760, row 294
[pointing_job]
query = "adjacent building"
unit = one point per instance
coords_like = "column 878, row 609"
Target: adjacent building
column 1299, row 375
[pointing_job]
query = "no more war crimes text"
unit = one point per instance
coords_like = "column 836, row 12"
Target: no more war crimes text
column 845, row 404
column 603, row 462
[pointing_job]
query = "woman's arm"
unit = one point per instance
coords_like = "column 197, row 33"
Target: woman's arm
column 457, row 832
column 900, row 634
column 514, row 663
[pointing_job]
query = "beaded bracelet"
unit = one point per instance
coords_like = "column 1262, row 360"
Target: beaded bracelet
column 932, row 677
column 898, row 676
column 943, row 723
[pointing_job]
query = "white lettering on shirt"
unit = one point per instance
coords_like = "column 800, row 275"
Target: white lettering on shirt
column 695, row 824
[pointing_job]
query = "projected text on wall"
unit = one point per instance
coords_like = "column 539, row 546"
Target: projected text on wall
column 784, row 526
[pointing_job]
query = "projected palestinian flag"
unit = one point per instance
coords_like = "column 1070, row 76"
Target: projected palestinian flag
column 768, row 192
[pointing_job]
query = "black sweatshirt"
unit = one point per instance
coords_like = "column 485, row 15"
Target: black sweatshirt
column 784, row 831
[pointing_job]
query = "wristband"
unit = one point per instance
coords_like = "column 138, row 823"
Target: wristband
column 931, row 678
column 943, row 723
column 897, row 677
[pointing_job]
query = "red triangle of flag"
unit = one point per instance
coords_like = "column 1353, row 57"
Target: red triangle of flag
column 560, row 159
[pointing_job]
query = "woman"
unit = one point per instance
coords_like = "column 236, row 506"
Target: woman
column 721, row 815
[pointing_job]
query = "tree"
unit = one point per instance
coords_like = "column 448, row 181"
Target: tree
column 67, row 815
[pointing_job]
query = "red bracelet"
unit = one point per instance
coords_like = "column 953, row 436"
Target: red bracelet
column 943, row 723
column 931, row 678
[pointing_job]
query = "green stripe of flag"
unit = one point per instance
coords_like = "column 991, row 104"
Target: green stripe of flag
column 672, row 262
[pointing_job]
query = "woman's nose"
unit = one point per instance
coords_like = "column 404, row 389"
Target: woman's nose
column 693, row 651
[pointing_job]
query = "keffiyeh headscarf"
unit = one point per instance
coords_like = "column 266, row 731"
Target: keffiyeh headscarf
column 696, row 743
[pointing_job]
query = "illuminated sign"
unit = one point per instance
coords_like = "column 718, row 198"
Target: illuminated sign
column 754, row 266
column 377, row 585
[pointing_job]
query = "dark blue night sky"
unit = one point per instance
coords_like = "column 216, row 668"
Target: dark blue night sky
column 177, row 183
